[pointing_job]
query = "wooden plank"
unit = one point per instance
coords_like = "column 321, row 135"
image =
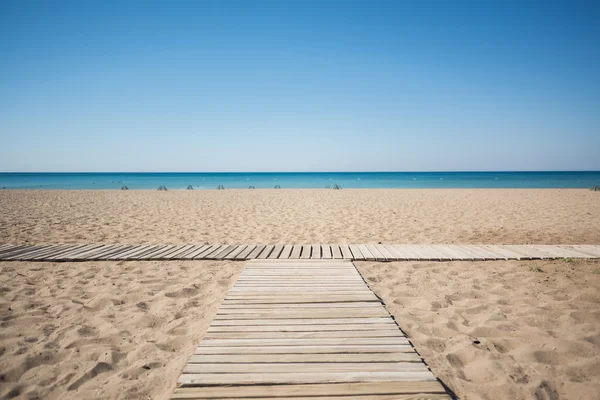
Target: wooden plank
column 326, row 252
column 178, row 255
column 464, row 252
column 375, row 252
column 502, row 251
column 270, row 368
column 148, row 255
column 436, row 253
column 380, row 333
column 385, row 252
column 250, row 378
column 406, row 252
column 6, row 247
column 266, row 251
column 448, row 253
column 366, row 253
column 356, row 253
column 69, row 256
column 50, row 254
column 590, row 250
column 562, row 252
column 324, row 349
column 258, row 342
column 44, row 251
column 395, row 253
column 286, row 251
column 356, row 304
column 276, row 251
column 307, row 321
column 157, row 255
column 211, row 253
column 257, row 250
column 303, row 328
column 136, row 251
column 346, row 252
column 300, row 299
column 246, row 252
column 306, row 252
column 336, row 253
column 24, row 251
column 422, row 253
column 529, row 252
column 296, row 252
column 482, row 253
column 301, row 314
column 315, row 251
column 353, row 389
column 221, row 255
column 195, row 251
column 232, row 255
column 196, row 393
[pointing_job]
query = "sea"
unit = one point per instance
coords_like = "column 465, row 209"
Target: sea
column 289, row 180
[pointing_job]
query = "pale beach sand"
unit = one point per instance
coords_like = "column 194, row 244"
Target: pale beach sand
column 124, row 330
column 500, row 330
column 511, row 216
column 107, row 330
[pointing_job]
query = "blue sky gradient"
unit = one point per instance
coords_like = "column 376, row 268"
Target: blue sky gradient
column 299, row 86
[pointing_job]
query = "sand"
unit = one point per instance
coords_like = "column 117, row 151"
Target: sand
column 500, row 330
column 124, row 330
column 104, row 330
column 517, row 216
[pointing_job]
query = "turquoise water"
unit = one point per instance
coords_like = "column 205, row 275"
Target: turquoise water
column 199, row 180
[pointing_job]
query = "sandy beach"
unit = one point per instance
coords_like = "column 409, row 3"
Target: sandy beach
column 496, row 216
column 503, row 329
column 124, row 330
column 104, row 330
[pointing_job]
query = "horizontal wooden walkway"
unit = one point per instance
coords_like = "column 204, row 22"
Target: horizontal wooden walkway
column 359, row 252
column 305, row 330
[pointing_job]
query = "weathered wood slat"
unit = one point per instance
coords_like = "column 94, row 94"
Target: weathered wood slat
column 222, row 252
column 303, row 328
column 235, row 342
column 276, row 252
column 286, row 251
column 269, row 368
column 326, row 252
column 381, row 333
column 375, row 252
column 368, row 256
column 296, row 252
column 385, row 252
column 246, row 252
column 352, row 389
column 265, row 252
column 233, row 254
column 250, row 378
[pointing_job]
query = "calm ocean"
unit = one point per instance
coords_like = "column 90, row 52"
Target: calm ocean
column 199, row 180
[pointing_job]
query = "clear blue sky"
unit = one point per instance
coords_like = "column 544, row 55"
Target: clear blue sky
column 299, row 86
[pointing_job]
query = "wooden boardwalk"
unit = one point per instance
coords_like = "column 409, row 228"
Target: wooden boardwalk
column 305, row 330
column 359, row 252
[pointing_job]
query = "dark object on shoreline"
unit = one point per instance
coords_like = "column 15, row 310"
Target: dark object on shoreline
column 162, row 188
column 251, row 187
column 220, row 187
column 124, row 188
column 327, row 187
column 277, row 187
column 190, row 187
column 337, row 187
column 595, row 188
